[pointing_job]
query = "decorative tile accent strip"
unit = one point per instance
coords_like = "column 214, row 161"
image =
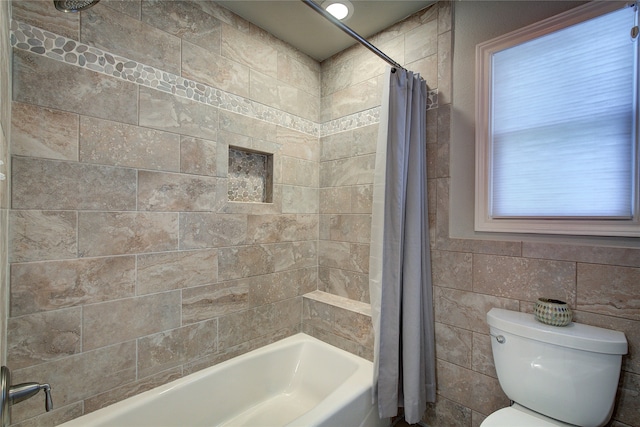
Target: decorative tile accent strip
column 60, row 48
column 367, row 117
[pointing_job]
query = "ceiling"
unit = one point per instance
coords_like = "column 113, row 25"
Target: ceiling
column 299, row 25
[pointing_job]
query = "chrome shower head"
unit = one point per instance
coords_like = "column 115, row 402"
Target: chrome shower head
column 74, row 5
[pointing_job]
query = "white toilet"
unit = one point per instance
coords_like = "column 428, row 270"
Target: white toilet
column 556, row 376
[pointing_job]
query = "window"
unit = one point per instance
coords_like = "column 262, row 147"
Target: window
column 557, row 125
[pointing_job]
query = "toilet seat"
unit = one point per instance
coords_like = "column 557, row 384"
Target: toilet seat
column 517, row 415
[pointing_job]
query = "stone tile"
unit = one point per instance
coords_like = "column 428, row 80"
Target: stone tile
column 299, row 172
column 167, row 112
column 361, row 198
column 300, row 200
column 275, row 287
column 629, row 257
column 244, row 261
column 192, row 21
column 176, row 270
column 119, row 144
column 205, row 66
column 248, row 126
column 250, row 51
column 299, row 74
column 44, row 15
column 452, row 269
column 211, row 301
column 482, row 358
column 454, row 344
column 51, row 184
column 44, row 286
column 421, row 42
column 335, row 341
column 131, row 8
column 445, row 66
column 270, row 91
column 199, row 156
column 353, row 326
column 126, row 319
column 265, row 320
column 447, row 413
column 350, row 228
column 356, row 98
column 344, row 255
column 209, row 230
column 56, row 417
column 106, row 233
column 129, row 390
column 297, row 144
column 627, row 409
column 469, row 388
column 348, row 284
column 117, row 33
column 43, row 132
column 77, row 90
column 524, row 278
column 350, row 171
column 159, row 191
column 349, row 143
column 281, row 228
column 166, row 350
column 293, row 255
column 336, row 199
column 609, row 289
column 282, row 285
column 42, row 235
column 467, row 310
column 41, row 337
column 342, row 322
column 80, row 376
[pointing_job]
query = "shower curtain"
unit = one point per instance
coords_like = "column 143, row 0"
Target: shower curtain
column 400, row 261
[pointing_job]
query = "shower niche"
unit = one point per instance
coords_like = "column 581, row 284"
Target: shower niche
column 250, row 176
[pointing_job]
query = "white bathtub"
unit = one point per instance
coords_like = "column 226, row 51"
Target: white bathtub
column 298, row 381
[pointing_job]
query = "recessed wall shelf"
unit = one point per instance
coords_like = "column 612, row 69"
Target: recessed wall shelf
column 250, row 176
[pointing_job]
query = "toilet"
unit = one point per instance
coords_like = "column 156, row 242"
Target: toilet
column 555, row 376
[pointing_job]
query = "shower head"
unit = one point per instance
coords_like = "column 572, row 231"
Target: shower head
column 74, row 5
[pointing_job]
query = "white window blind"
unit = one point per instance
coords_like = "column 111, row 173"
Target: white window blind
column 563, row 108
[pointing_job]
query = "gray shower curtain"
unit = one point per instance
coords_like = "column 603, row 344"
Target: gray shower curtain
column 400, row 261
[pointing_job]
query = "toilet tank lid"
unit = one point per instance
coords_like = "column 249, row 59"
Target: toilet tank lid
column 574, row 335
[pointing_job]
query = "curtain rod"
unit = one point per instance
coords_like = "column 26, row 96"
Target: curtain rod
column 351, row 33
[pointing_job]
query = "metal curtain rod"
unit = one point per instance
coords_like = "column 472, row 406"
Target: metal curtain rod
column 351, row 33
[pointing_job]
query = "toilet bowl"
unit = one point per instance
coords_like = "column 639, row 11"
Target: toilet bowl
column 556, row 376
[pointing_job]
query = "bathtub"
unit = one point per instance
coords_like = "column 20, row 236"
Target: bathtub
column 298, row 381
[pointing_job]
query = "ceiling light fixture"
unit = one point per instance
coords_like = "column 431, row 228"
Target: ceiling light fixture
column 340, row 9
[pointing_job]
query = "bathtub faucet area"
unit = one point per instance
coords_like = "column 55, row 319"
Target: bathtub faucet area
column 12, row 394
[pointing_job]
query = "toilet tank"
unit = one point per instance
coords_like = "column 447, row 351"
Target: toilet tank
column 568, row 373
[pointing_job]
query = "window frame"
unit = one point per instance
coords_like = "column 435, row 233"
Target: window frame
column 568, row 226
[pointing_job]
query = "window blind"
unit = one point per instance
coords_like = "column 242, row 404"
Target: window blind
column 562, row 122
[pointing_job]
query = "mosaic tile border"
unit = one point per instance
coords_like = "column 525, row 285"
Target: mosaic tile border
column 41, row 42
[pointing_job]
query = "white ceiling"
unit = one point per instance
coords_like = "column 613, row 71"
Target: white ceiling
column 299, row 25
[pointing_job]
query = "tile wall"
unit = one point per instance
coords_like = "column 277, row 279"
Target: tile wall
column 469, row 276
column 5, row 136
column 129, row 266
column 129, row 249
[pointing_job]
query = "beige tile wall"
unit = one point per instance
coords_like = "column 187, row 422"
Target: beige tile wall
column 469, row 276
column 129, row 267
column 253, row 261
column 5, row 136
